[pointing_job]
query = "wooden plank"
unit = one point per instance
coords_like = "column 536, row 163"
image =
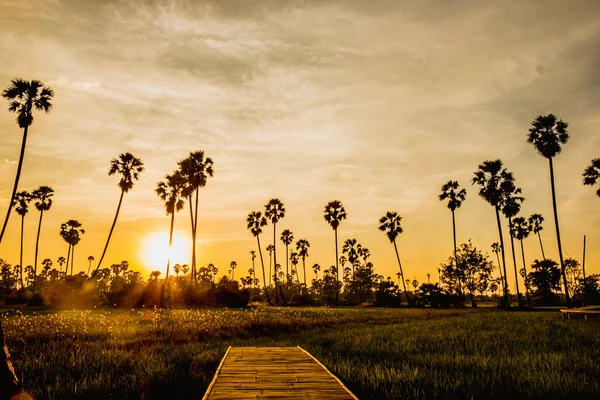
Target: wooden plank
column 274, row 373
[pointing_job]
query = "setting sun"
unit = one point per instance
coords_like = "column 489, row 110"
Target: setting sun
column 155, row 250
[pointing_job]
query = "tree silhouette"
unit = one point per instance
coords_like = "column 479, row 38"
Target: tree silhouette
column 351, row 248
column 493, row 179
column 71, row 232
column 21, row 205
column 61, row 261
column 316, row 269
column 170, row 192
column 255, row 221
column 390, row 224
column 24, row 97
column 196, row 169
column 591, row 174
column 334, row 214
column 294, row 259
column 511, row 205
column 548, row 135
column 43, row 202
column 287, row 237
column 520, row 229
column 233, row 266
column 302, row 246
column 535, row 221
column 90, row 259
column 274, row 210
column 270, row 250
column 496, row 249
column 129, row 167
column 455, row 198
column 253, row 254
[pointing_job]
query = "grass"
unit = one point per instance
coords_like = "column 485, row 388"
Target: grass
column 378, row 353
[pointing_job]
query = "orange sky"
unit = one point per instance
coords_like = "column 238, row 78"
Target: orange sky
column 375, row 105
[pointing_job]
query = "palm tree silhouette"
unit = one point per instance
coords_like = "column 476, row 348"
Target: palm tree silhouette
column 196, row 169
column 520, row 229
column 316, row 268
column 287, row 237
column 302, row 246
column 349, row 248
column 71, row 232
column 294, row 259
column 511, row 205
column 61, row 261
column 493, row 179
column 253, row 254
column 535, row 221
column 129, row 167
column 255, row 221
column 455, row 198
column 43, row 202
column 548, row 135
column 21, row 205
column 496, row 249
column 591, row 174
column 390, row 224
column 270, row 250
column 334, row 214
column 233, row 266
column 90, row 259
column 24, row 97
column 170, row 191
column 274, row 210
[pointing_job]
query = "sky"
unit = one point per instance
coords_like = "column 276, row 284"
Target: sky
column 376, row 104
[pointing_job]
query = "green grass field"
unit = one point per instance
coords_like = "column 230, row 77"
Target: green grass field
column 378, row 353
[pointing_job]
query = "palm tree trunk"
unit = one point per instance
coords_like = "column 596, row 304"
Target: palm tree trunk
column 506, row 299
column 512, row 248
column 109, row 234
column 8, row 379
column 165, row 286
column 21, row 254
column 560, row 254
column 337, row 270
column 68, row 258
column 275, row 263
column 287, row 261
column 525, row 272
column 500, row 270
column 541, row 245
column 263, row 270
column 193, row 271
column 304, row 268
column 195, row 232
column 253, row 272
column 401, row 272
column 37, row 243
column 455, row 254
column 16, row 185
column 72, row 258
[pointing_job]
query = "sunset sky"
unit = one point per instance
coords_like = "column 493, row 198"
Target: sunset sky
column 373, row 103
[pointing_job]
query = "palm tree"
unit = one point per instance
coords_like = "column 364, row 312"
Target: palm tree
column 129, row 167
column 520, row 229
column 233, row 266
column 334, row 214
column 390, row 224
column 274, row 210
column 302, row 246
column 455, row 198
column 70, row 231
column 22, row 200
column 255, row 221
column 535, row 221
column 511, row 205
column 170, row 191
column 270, row 250
column 90, row 259
column 61, row 261
column 24, row 97
column 294, row 259
column 548, row 135
column 287, row 237
column 496, row 249
column 316, row 269
column 352, row 251
column 492, row 179
column 196, row 169
column 43, row 202
column 253, row 253
column 591, row 174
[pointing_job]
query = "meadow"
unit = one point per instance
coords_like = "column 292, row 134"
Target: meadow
column 378, row 353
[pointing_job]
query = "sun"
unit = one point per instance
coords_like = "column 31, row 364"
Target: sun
column 155, row 251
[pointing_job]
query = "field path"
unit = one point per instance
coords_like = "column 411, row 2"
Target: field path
column 274, row 373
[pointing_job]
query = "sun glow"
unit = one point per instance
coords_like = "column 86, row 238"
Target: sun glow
column 155, row 251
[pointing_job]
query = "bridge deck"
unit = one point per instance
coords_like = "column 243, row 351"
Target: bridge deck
column 274, row 373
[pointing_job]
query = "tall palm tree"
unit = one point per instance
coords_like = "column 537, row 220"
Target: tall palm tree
column 71, row 232
column 255, row 221
column 253, row 253
column 455, row 198
column 390, row 224
column 274, row 210
column 548, row 135
column 520, row 229
column 24, row 97
column 511, row 205
column 22, row 200
column 287, row 237
column 130, row 168
column 196, row 169
column 334, row 214
column 270, row 250
column 43, row 202
column 535, row 221
column 90, row 259
column 492, row 179
column 302, row 246
column 233, row 266
column 496, row 250
column 170, row 191
column 591, row 175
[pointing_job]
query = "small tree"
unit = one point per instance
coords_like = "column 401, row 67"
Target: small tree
column 545, row 280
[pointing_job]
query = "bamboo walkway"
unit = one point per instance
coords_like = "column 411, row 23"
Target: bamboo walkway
column 274, row 373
